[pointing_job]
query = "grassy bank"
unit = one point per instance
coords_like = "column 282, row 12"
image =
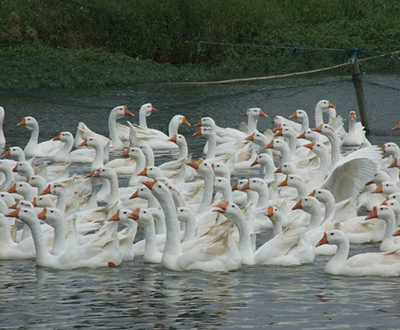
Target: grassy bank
column 84, row 43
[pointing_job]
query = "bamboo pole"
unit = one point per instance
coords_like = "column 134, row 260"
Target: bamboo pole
column 357, row 82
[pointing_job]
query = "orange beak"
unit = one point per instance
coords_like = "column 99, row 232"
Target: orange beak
column 298, row 206
column 310, row 145
column 57, row 138
column 279, row 133
column 15, row 168
column 46, row 191
column 154, row 109
column 135, row 214
column 331, row 105
column 13, row 214
column 143, row 173
column 135, row 194
column 378, row 190
column 394, row 164
column 173, row 139
column 373, row 214
column 384, row 202
column 13, row 189
column 397, row 233
column 34, row 203
column 198, row 124
column 7, row 153
column 250, row 137
column 318, row 129
column 235, row 187
column 115, row 217
column 302, row 135
column 278, row 170
column 198, row 132
column 14, row 206
column 42, row 215
column 352, row 116
column 213, row 166
column 323, row 240
column 127, row 112
column 150, row 184
column 91, row 174
column 195, row 164
column 383, row 148
column 22, row 122
column 396, row 128
column 185, row 121
column 83, row 143
column 369, row 183
column 246, row 186
column 313, row 193
column 273, row 121
column 96, row 174
column 277, row 128
column 293, row 115
column 270, row 212
column 221, row 207
column 263, row 114
column 284, row 183
column 270, row 145
column 255, row 162
column 125, row 153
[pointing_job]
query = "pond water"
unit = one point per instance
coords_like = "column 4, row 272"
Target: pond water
column 141, row 296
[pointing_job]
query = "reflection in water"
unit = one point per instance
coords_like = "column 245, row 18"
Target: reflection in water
column 140, row 296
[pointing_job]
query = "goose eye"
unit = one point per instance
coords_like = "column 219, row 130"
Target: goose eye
column 25, row 211
column 233, row 205
column 141, row 189
column 306, row 199
column 159, row 186
column 51, row 211
column 381, row 208
column 144, row 212
column 331, row 234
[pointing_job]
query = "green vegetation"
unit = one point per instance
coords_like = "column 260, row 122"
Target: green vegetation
column 85, row 43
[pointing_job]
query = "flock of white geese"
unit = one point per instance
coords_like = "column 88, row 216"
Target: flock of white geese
column 306, row 191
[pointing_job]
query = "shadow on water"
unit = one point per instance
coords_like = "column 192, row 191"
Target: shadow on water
column 142, row 296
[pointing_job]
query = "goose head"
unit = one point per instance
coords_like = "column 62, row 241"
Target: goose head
column 7, row 198
column 179, row 140
column 255, row 113
column 185, row 214
column 158, row 189
column 142, row 192
column 323, row 195
column 124, row 216
column 381, row 212
column 324, row 105
column 309, row 135
column 278, row 120
column 292, row 180
column 152, row 172
column 37, row 181
column 394, row 196
column 386, row 188
column 43, row 201
column 277, row 144
column 325, row 130
column 121, row 111
column 205, row 131
column 287, row 132
column 23, row 168
column 300, row 115
column 352, row 116
column 239, row 184
column 255, row 184
column 147, row 109
column 29, row 122
column 25, row 214
column 91, row 142
column 394, row 205
column 143, row 217
column 286, row 168
column 318, row 148
column 64, row 137
column 258, row 138
column 147, row 151
column 22, row 188
column 179, row 120
column 221, row 169
column 391, row 148
column 14, row 152
column 229, row 209
column 105, row 172
column 221, row 184
column 207, row 122
column 379, row 178
column 133, row 152
column 273, row 213
column 263, row 159
column 308, row 204
column 335, row 237
column 52, row 216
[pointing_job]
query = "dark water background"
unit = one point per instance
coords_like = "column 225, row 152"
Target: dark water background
column 140, row 296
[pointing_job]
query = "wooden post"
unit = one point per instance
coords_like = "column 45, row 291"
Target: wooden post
column 357, row 81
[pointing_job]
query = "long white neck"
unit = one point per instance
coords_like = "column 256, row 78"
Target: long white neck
column 62, row 153
column 9, row 178
column 301, row 188
column 389, row 230
column 329, row 209
column 43, row 257
column 212, row 143
column 2, row 137
column 190, row 229
column 61, row 201
column 33, row 142
column 263, row 195
column 305, row 124
column 286, row 153
column 112, row 126
column 319, row 118
column 172, row 248
column 183, row 150
column 352, row 127
column 142, row 119
column 208, row 191
column 252, row 124
column 59, row 242
column 28, row 194
column 245, row 246
column 276, row 225
column 340, row 256
column 316, row 217
column 335, row 145
column 292, row 142
column 5, row 230
column 149, row 156
column 323, row 167
column 114, row 190
column 150, row 248
column 99, row 158
column 173, row 127
column 226, row 191
column 159, row 220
